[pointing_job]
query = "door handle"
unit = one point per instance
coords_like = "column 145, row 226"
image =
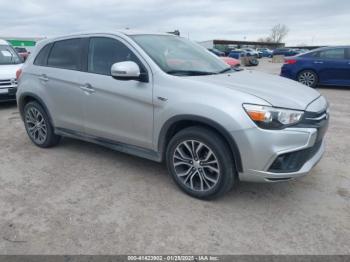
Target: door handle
column 87, row 88
column 44, row 78
column 318, row 62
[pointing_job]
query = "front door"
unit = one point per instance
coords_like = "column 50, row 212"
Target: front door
column 117, row 110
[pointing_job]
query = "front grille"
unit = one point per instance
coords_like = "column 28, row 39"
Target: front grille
column 319, row 121
column 314, row 119
column 292, row 162
column 8, row 83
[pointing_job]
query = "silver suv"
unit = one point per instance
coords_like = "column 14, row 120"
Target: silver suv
column 165, row 98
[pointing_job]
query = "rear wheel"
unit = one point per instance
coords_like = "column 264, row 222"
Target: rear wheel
column 38, row 126
column 308, row 78
column 254, row 62
column 200, row 163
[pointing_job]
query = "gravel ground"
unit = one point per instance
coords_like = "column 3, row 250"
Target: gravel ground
column 80, row 198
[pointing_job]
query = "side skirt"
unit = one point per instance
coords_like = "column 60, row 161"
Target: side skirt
column 117, row 146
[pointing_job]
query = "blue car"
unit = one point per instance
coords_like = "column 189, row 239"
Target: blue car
column 323, row 66
column 265, row 52
column 237, row 54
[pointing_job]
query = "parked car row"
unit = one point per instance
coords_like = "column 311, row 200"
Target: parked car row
column 323, row 66
column 264, row 52
column 250, row 58
column 234, row 57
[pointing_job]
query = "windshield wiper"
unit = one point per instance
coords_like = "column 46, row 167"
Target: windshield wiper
column 225, row 70
column 236, row 69
column 189, row 72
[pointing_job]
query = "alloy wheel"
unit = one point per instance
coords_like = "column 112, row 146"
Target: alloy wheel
column 196, row 165
column 36, row 126
column 307, row 78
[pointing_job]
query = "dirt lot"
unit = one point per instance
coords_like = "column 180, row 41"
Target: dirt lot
column 80, row 198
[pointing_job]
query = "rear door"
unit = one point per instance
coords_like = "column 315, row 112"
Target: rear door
column 333, row 66
column 63, row 78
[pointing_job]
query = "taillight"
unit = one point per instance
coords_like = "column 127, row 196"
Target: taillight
column 18, row 74
column 290, row 61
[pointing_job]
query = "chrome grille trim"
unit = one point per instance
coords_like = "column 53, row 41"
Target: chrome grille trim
column 8, row 83
column 324, row 116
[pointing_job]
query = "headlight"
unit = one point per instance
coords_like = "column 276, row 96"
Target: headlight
column 268, row 117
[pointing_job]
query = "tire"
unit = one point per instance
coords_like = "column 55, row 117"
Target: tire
column 308, row 78
column 254, row 62
column 199, row 179
column 38, row 126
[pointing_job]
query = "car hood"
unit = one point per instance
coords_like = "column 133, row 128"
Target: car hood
column 276, row 90
column 9, row 71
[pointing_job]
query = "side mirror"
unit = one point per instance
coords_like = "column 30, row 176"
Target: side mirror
column 127, row 70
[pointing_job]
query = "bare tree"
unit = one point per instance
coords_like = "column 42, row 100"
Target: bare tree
column 278, row 33
column 265, row 40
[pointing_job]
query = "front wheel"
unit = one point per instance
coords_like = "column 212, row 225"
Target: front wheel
column 200, row 163
column 308, row 78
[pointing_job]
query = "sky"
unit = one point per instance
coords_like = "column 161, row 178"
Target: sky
column 311, row 22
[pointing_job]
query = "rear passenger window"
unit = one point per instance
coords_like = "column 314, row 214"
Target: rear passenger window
column 104, row 52
column 66, row 54
column 41, row 58
column 338, row 53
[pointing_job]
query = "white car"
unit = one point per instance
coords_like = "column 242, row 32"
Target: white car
column 10, row 62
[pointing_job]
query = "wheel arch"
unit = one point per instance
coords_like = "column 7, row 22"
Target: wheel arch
column 318, row 80
column 27, row 97
column 307, row 69
column 177, row 123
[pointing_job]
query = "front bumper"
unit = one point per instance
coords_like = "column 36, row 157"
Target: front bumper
column 8, row 94
column 261, row 149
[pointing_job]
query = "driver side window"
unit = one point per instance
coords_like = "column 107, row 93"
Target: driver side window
column 104, row 52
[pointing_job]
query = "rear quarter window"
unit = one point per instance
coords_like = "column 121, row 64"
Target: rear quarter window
column 335, row 54
column 41, row 58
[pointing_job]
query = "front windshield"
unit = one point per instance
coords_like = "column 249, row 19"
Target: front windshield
column 8, row 56
column 179, row 56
